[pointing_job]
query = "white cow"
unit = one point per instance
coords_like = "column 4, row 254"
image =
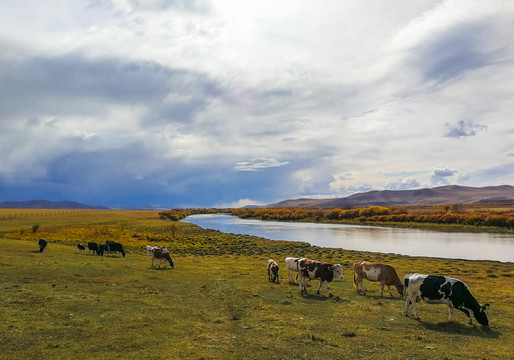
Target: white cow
column 292, row 268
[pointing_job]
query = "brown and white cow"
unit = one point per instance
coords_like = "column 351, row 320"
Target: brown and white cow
column 317, row 270
column 161, row 254
column 372, row 271
column 273, row 271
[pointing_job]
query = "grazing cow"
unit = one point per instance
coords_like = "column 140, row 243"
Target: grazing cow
column 115, row 247
column 161, row 253
column 273, row 271
column 102, row 248
column 371, row 271
column 42, row 244
column 324, row 272
column 292, row 267
column 434, row 289
column 150, row 249
column 92, row 246
column 80, row 248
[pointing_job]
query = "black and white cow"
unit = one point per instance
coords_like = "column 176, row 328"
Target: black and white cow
column 115, row 247
column 80, row 248
column 317, row 270
column 273, row 271
column 42, row 244
column 434, row 289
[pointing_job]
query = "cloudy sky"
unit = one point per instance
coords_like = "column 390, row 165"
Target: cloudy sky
column 187, row 103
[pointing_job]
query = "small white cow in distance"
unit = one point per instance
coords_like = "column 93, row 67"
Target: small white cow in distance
column 317, row 270
column 434, row 289
column 372, row 271
column 273, row 271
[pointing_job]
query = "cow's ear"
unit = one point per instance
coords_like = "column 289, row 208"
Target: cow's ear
column 330, row 268
column 485, row 306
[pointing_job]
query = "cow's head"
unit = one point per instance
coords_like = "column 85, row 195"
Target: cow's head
column 481, row 315
column 338, row 271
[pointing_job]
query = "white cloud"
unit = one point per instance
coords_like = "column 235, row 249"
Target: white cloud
column 355, row 96
column 443, row 176
column 258, row 164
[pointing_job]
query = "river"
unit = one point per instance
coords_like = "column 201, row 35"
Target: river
column 412, row 242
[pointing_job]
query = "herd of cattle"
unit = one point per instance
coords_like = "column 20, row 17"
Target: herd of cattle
column 431, row 289
column 159, row 253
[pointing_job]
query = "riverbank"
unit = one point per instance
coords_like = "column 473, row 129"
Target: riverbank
column 492, row 218
column 218, row 303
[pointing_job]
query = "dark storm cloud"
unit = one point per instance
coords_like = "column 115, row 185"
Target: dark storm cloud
column 458, row 49
column 463, row 129
column 51, row 85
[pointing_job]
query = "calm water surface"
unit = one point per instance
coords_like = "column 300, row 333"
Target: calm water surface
column 482, row 246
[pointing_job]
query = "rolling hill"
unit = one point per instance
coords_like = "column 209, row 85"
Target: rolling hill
column 45, row 204
column 453, row 194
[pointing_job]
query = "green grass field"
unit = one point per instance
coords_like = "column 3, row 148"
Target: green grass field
column 217, row 302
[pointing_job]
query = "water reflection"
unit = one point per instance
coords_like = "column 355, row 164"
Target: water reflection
column 482, row 246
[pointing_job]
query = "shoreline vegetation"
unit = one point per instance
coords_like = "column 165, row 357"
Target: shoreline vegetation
column 497, row 218
column 217, row 301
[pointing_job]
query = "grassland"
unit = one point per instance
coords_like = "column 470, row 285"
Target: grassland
column 217, row 302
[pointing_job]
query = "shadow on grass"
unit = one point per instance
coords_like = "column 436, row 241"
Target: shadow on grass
column 378, row 297
column 161, row 269
column 451, row 327
column 317, row 297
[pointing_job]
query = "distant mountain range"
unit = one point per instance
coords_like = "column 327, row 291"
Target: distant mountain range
column 45, row 204
column 452, row 194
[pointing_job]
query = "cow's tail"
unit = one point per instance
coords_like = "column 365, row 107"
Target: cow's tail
column 354, row 277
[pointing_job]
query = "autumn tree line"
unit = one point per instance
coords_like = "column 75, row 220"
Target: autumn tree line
column 178, row 214
column 453, row 215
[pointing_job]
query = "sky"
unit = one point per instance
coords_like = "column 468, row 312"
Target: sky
column 227, row 103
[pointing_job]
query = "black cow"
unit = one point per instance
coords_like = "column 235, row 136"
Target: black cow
column 115, row 247
column 42, row 244
column 94, row 247
column 322, row 271
column 80, row 247
column 102, row 248
column 273, row 271
column 434, row 289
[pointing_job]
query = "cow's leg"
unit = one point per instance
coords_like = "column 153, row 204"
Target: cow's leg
column 328, row 289
column 300, row 283
column 359, row 283
column 468, row 313
column 410, row 304
column 269, row 276
column 389, row 288
column 414, row 312
column 382, row 288
column 319, row 286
